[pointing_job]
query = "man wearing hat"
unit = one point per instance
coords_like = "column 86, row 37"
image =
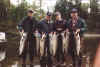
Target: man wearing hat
column 59, row 28
column 45, row 28
column 28, row 25
column 75, row 24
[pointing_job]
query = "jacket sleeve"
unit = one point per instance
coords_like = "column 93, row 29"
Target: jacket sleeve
column 68, row 24
column 54, row 27
column 20, row 25
column 40, row 27
column 35, row 24
column 83, row 27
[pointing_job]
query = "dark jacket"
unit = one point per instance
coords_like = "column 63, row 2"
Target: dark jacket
column 45, row 27
column 81, row 24
column 28, row 24
column 59, row 25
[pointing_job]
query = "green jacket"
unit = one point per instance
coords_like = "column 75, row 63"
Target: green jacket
column 81, row 24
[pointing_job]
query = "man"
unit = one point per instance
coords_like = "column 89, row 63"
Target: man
column 59, row 27
column 28, row 25
column 75, row 24
column 45, row 28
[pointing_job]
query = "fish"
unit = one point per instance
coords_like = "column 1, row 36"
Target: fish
column 53, row 43
column 65, row 39
column 22, row 42
column 77, row 39
column 42, row 43
column 37, row 35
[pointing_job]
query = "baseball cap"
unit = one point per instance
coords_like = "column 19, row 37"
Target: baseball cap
column 30, row 11
column 74, row 10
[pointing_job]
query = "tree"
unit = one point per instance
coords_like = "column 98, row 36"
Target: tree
column 17, row 13
column 3, row 10
column 64, row 6
column 94, row 7
column 94, row 16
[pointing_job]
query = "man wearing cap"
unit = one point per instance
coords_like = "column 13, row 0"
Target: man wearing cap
column 45, row 28
column 75, row 24
column 28, row 25
column 59, row 28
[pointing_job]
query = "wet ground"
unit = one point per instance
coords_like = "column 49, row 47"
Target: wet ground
column 90, row 46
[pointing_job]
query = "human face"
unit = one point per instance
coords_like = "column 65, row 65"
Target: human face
column 58, row 17
column 48, row 17
column 30, row 14
column 74, row 15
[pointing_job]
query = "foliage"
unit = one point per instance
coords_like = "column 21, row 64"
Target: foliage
column 65, row 6
column 3, row 11
column 17, row 13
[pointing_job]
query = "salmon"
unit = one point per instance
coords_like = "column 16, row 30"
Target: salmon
column 22, row 42
column 37, row 35
column 42, row 43
column 53, row 43
column 65, row 38
column 77, row 39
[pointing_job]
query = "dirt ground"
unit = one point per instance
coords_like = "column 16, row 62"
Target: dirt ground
column 90, row 46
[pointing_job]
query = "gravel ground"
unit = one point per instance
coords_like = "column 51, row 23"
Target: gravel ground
column 12, row 54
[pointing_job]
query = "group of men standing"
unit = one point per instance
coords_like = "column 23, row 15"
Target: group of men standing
column 47, row 26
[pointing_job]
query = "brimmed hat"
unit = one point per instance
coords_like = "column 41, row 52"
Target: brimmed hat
column 57, row 13
column 30, row 11
column 74, row 10
column 49, row 14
